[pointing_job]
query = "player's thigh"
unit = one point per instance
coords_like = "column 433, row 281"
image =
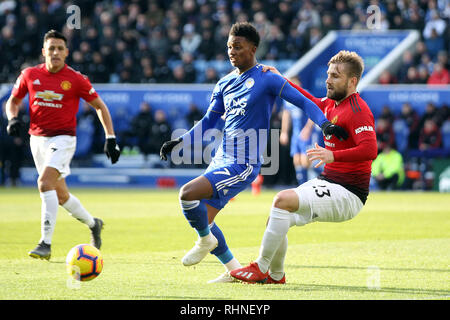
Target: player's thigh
column 320, row 200
column 286, row 200
column 48, row 179
column 55, row 152
column 37, row 146
column 228, row 181
column 197, row 189
column 60, row 152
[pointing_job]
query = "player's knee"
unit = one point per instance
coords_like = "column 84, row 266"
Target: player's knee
column 286, row 200
column 45, row 184
column 185, row 193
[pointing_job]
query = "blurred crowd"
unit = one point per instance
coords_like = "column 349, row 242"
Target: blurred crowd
column 184, row 41
column 429, row 62
column 407, row 142
column 166, row 41
column 408, row 130
column 399, row 136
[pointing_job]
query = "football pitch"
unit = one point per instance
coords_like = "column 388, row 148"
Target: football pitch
column 398, row 247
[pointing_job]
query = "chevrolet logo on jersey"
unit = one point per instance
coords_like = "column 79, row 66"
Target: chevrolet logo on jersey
column 49, row 95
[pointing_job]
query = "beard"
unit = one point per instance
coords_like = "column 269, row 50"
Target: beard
column 337, row 95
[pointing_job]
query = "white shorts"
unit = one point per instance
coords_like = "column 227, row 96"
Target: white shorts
column 320, row 200
column 55, row 152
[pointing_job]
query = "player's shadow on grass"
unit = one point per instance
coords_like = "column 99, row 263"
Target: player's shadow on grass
column 365, row 268
column 365, row 289
column 360, row 289
column 196, row 298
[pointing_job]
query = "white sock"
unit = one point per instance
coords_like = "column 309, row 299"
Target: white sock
column 76, row 210
column 275, row 233
column 232, row 264
column 206, row 239
column 49, row 210
column 277, row 264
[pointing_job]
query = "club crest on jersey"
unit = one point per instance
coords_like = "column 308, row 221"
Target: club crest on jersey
column 66, row 85
column 328, row 137
column 334, row 120
column 249, row 83
column 49, row 95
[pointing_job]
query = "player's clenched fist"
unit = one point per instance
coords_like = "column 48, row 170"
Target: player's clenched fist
column 167, row 147
column 112, row 150
column 13, row 128
column 329, row 128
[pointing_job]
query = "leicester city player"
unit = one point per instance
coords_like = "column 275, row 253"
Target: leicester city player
column 244, row 98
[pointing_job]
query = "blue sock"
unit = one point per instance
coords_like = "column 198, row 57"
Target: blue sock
column 222, row 252
column 301, row 174
column 196, row 214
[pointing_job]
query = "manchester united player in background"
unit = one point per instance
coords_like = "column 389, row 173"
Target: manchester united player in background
column 341, row 190
column 54, row 91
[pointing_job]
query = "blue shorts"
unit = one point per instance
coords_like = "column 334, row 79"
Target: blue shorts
column 228, row 181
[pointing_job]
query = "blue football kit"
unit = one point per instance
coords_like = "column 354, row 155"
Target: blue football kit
column 245, row 101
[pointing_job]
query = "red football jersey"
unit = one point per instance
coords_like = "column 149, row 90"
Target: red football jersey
column 54, row 98
column 353, row 157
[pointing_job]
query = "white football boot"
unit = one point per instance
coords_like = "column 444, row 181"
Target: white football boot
column 202, row 247
column 224, row 278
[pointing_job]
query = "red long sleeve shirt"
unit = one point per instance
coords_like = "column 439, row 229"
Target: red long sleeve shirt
column 353, row 157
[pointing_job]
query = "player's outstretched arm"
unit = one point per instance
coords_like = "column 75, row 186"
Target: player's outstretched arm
column 313, row 112
column 208, row 121
column 317, row 101
column 111, row 148
column 291, row 95
column 329, row 129
column 167, row 147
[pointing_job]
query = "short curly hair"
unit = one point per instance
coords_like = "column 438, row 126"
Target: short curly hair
column 246, row 30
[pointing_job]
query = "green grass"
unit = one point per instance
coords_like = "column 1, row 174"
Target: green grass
column 402, row 239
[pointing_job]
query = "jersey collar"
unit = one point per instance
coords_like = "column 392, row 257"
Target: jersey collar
column 246, row 71
column 46, row 70
column 345, row 100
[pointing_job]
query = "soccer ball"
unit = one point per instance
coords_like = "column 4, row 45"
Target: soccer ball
column 84, row 262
